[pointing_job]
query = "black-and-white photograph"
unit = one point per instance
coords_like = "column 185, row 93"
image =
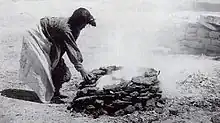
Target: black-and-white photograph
column 110, row 61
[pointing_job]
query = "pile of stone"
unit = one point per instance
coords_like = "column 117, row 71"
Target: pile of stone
column 140, row 93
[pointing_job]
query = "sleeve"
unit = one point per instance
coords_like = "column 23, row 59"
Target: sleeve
column 73, row 51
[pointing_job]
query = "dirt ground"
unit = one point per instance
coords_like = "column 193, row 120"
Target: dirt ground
column 110, row 43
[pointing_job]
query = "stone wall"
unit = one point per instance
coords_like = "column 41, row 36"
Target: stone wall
column 202, row 37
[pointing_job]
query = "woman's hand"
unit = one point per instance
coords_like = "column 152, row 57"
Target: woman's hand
column 86, row 76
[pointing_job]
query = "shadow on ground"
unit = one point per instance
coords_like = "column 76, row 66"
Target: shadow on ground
column 21, row 95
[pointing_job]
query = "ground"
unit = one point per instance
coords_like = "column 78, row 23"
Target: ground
column 125, row 35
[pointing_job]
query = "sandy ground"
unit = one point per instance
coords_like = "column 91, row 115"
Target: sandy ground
column 125, row 35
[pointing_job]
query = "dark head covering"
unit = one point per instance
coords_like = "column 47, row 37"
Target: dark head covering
column 81, row 17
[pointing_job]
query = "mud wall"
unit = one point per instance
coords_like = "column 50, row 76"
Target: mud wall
column 202, row 37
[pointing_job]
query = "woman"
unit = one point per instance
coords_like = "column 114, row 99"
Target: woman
column 61, row 33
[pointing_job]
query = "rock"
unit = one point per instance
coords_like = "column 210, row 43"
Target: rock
column 144, row 90
column 100, row 92
column 98, row 72
column 143, row 99
column 173, row 111
column 99, row 103
column 154, row 89
column 121, row 104
column 160, row 91
column 86, row 99
column 151, row 95
column 203, row 32
column 91, row 90
column 85, row 85
column 90, row 107
column 140, row 80
column 121, row 94
column 134, row 94
column 212, row 19
column 127, row 98
column 214, row 34
column 144, row 94
column 119, row 113
column 215, row 118
column 159, row 95
column 88, row 91
column 103, row 111
column 159, row 110
column 106, row 98
column 131, row 88
column 113, row 88
column 162, row 100
column 151, row 103
column 138, row 106
column 151, row 72
column 124, row 84
column 81, row 93
column 129, row 109
column 159, row 105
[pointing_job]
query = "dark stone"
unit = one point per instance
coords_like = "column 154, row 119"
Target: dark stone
column 159, row 95
column 106, row 97
column 132, row 87
column 173, row 111
column 160, row 105
column 143, row 90
column 88, row 91
column 99, row 103
column 129, row 109
column 110, row 109
column 81, row 93
column 154, row 89
column 119, row 112
column 151, row 103
column 121, row 94
column 113, row 88
column 86, row 99
column 146, row 81
column 91, row 90
column 138, row 79
column 159, row 110
column 151, row 72
column 215, row 118
column 162, row 100
column 100, row 92
column 134, row 94
column 156, row 82
column 144, row 98
column 152, row 95
column 144, row 94
column 159, row 91
column 121, row 104
column 81, row 86
column 90, row 107
column 69, row 107
column 138, row 106
column 103, row 111
column 98, row 72
column 123, row 84
column 127, row 98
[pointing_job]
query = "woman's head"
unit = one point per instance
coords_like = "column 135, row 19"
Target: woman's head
column 81, row 17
